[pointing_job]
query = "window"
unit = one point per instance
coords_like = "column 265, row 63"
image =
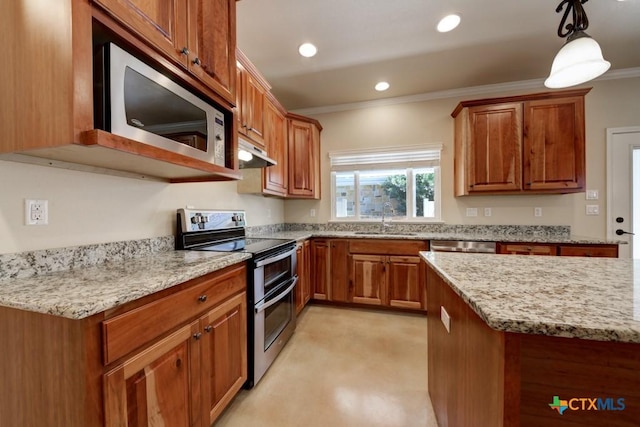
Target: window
column 401, row 183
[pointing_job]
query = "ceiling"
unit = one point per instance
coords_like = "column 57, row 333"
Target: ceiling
column 361, row 42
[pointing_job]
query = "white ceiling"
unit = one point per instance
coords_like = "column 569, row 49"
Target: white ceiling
column 361, row 42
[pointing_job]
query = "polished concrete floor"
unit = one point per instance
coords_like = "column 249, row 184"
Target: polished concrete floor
column 343, row 367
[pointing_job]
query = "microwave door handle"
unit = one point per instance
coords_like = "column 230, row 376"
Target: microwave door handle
column 275, row 258
column 262, row 306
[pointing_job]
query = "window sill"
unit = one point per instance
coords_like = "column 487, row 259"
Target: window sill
column 390, row 222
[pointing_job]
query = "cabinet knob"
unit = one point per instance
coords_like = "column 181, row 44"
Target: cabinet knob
column 184, row 51
column 197, row 335
column 208, row 328
column 202, row 298
column 529, row 184
column 197, row 61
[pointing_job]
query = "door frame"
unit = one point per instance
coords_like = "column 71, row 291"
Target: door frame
column 611, row 132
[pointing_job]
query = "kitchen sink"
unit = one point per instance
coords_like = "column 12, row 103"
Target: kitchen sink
column 387, row 233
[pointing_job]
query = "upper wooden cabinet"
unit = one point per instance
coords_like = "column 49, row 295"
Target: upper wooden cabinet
column 304, row 157
column 251, row 99
column 521, row 144
column 200, row 35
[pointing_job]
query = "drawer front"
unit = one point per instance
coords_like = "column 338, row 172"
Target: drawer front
column 607, row 251
column 387, row 246
column 526, row 249
column 128, row 331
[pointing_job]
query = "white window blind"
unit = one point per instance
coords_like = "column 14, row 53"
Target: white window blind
column 387, row 158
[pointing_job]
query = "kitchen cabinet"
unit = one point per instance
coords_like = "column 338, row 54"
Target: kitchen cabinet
column 65, row 136
column 339, row 270
column 387, row 273
column 175, row 358
column 251, row 101
column 199, row 35
column 191, row 375
column 304, row 157
column 526, row 249
column 272, row 180
column 320, row 269
column 303, row 288
column 521, row 144
column 587, row 250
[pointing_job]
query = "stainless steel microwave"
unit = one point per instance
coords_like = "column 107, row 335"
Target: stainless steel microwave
column 136, row 101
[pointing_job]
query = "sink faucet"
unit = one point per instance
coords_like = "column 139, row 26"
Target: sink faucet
column 384, row 225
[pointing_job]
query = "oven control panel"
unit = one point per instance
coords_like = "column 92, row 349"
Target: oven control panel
column 207, row 219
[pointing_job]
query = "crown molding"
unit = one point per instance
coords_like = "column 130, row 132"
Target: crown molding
column 626, row 73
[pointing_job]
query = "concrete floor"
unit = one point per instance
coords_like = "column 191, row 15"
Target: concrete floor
column 343, row 367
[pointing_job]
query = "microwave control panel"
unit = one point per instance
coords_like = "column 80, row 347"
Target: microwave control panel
column 218, row 139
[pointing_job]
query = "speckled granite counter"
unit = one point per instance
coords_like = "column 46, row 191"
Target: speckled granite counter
column 590, row 298
column 480, row 237
column 82, row 292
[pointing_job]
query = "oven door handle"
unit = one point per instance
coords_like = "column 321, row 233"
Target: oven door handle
column 273, row 259
column 262, row 306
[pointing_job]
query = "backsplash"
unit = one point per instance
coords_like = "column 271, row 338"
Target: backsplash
column 33, row 263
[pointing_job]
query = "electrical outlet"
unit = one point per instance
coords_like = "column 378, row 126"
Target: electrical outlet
column 312, row 213
column 537, row 211
column 487, row 211
column 472, row 211
column 36, row 212
column 593, row 210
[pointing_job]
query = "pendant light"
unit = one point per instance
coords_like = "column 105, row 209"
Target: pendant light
column 580, row 59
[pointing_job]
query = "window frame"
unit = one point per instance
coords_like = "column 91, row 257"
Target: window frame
column 394, row 161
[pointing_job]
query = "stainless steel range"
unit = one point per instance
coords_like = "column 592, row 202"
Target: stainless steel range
column 271, row 279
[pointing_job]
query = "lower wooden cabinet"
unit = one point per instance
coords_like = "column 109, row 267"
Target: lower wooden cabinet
column 588, row 250
column 303, row 288
column 188, row 377
column 375, row 272
column 607, row 251
column 526, row 249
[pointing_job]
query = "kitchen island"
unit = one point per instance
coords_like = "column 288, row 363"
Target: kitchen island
column 533, row 341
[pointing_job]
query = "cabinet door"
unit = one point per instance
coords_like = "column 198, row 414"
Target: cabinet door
column 299, row 294
column 495, row 148
column 253, row 99
column 606, row 251
column 212, row 44
column 339, row 267
column 224, row 355
column 320, row 269
column 307, row 293
column 163, row 23
column 526, row 249
column 275, row 177
column 369, row 276
column 406, row 282
column 554, row 158
column 156, row 386
column 303, row 155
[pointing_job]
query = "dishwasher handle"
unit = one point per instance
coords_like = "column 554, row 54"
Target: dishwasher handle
column 463, row 246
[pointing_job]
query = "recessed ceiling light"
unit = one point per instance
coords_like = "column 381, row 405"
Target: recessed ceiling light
column 307, row 50
column 448, row 23
column 382, row 86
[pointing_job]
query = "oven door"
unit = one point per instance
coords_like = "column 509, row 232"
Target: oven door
column 275, row 322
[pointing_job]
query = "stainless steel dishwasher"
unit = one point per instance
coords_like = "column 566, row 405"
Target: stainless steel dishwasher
column 463, row 246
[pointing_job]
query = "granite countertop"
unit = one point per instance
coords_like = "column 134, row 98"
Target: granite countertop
column 82, row 292
column 589, row 298
column 484, row 237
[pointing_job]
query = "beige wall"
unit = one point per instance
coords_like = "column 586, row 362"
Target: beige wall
column 87, row 208
column 612, row 103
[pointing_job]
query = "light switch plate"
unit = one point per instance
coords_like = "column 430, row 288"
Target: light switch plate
column 446, row 319
column 592, row 195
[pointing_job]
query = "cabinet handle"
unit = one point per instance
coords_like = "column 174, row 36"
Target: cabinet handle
column 202, row 298
column 529, row 184
column 208, row 328
column 197, row 335
column 184, row 51
column 197, row 61
column 178, row 363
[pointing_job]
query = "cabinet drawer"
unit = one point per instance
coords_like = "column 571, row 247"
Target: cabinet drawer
column 608, row 251
column 526, row 249
column 128, row 331
column 387, row 247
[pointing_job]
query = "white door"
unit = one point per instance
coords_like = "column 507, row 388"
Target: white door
column 623, row 189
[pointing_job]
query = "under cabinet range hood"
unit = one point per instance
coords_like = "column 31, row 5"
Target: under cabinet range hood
column 252, row 157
